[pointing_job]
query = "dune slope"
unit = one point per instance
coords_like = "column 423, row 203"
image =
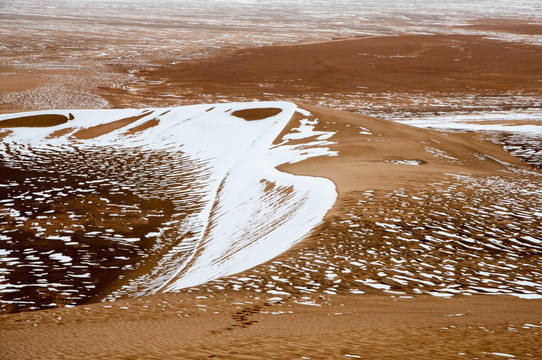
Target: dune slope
column 420, row 215
column 162, row 198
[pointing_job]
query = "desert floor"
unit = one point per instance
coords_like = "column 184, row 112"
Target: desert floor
column 230, row 327
column 394, row 77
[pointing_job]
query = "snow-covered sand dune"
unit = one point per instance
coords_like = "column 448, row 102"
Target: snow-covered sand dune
column 220, row 157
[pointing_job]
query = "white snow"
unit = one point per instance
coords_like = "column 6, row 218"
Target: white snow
column 306, row 130
column 60, row 257
column 405, row 162
column 485, row 121
column 263, row 223
column 503, row 354
column 251, row 213
column 285, row 152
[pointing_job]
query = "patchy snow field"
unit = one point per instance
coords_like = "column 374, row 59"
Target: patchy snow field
column 519, row 131
column 461, row 236
column 160, row 198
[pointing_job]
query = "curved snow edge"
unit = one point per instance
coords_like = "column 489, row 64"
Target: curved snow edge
column 250, row 225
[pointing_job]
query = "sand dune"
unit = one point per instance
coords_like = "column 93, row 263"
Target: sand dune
column 206, row 237
column 372, row 155
column 279, row 229
column 227, row 144
column 303, row 290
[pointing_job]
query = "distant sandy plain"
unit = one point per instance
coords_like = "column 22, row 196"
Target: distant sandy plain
column 432, row 249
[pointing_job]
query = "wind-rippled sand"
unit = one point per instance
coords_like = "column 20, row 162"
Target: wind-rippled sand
column 420, row 215
column 198, row 227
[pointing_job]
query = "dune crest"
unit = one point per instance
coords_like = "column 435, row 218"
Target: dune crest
column 232, row 209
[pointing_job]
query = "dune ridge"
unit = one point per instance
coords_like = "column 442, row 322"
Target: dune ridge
column 248, row 212
column 403, row 257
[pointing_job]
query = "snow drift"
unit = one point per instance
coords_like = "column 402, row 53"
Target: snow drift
column 248, row 211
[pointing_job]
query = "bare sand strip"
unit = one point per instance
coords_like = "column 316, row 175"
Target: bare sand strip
column 176, row 326
column 256, row 114
column 146, row 125
column 44, row 120
column 103, row 129
column 371, row 69
column 507, row 26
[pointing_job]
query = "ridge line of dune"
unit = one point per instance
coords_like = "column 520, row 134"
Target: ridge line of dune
column 208, row 212
column 214, row 203
column 256, row 154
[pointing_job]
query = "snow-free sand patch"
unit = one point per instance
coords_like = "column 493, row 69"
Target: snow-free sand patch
column 256, row 114
column 38, row 120
column 102, row 129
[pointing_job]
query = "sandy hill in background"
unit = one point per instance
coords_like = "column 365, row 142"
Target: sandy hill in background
column 383, row 75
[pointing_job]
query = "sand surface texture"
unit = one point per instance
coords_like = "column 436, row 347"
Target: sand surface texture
column 449, row 215
column 373, row 327
column 382, row 198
